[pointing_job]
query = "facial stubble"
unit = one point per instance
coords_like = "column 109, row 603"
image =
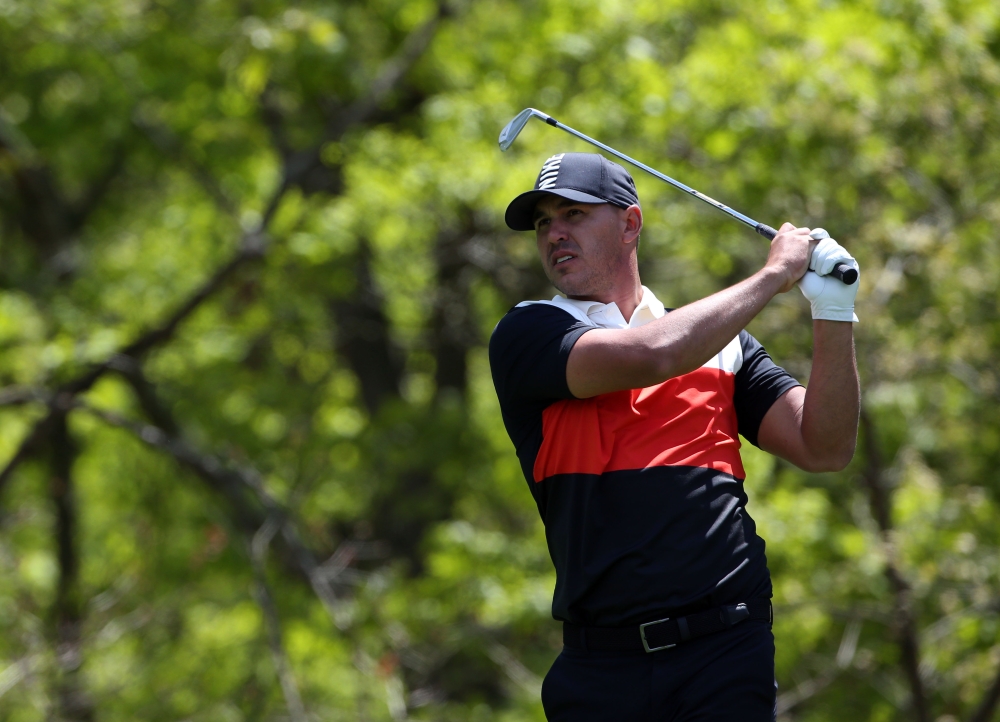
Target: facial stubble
column 602, row 260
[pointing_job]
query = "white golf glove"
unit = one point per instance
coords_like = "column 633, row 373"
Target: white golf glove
column 831, row 299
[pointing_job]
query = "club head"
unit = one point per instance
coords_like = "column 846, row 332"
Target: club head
column 514, row 127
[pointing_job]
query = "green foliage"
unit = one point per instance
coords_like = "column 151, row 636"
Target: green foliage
column 342, row 158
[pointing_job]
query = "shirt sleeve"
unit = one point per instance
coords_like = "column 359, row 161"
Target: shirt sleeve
column 759, row 383
column 529, row 349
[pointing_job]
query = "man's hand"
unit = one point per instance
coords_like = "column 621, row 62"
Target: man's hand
column 791, row 251
column 828, row 253
column 831, row 299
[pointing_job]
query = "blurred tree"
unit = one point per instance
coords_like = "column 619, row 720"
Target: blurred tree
column 251, row 462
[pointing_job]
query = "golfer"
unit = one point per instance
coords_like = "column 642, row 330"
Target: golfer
column 626, row 419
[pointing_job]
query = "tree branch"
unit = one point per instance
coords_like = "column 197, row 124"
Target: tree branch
column 145, row 392
column 987, row 707
column 393, row 70
column 253, row 246
column 73, row 701
column 21, row 395
column 514, row 668
column 19, row 670
column 14, row 142
column 169, row 145
column 305, row 168
column 81, row 210
column 28, row 445
column 274, row 120
column 811, row 687
column 904, row 620
column 254, row 243
column 258, row 557
column 44, row 213
column 804, row 691
column 228, row 482
column 233, row 483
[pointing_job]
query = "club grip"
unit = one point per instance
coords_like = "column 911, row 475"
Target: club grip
column 766, row 231
column 848, row 275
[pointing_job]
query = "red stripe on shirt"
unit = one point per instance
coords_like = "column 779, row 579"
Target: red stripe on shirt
column 685, row 421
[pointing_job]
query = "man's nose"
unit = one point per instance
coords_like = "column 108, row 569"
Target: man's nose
column 558, row 230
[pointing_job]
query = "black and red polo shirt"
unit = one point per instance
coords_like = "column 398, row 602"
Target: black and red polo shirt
column 641, row 491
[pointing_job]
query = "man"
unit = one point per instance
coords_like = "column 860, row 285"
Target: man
column 626, row 420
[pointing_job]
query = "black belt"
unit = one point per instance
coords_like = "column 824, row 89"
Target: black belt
column 664, row 633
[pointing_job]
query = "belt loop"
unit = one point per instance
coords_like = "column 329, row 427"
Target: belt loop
column 682, row 627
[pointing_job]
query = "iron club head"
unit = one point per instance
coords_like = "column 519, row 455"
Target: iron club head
column 514, row 127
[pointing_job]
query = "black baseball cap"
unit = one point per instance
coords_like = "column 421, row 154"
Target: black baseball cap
column 581, row 177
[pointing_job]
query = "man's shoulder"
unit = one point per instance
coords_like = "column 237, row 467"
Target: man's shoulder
column 533, row 316
column 535, row 338
column 528, row 353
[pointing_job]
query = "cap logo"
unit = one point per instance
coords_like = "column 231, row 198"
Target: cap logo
column 550, row 172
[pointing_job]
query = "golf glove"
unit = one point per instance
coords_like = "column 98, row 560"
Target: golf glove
column 831, row 299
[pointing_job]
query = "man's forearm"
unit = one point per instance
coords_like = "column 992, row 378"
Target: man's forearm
column 608, row 360
column 605, row 360
column 832, row 401
column 684, row 339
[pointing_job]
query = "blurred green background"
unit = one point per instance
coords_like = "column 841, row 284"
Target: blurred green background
column 251, row 460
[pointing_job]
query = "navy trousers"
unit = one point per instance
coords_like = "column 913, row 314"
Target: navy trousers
column 722, row 677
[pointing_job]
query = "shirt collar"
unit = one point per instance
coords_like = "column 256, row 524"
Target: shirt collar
column 608, row 315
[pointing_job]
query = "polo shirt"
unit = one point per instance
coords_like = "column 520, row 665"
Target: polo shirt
column 641, row 491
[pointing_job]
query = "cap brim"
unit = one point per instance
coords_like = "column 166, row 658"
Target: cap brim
column 520, row 212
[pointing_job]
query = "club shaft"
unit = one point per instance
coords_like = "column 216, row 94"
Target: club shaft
column 652, row 171
column 842, row 271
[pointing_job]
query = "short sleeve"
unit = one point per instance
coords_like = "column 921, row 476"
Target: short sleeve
column 759, row 383
column 528, row 353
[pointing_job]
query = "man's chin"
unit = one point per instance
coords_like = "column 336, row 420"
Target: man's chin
column 576, row 285
column 566, row 289
column 573, row 290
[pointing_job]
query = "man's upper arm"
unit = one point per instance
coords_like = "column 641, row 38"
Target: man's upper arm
column 766, row 406
column 780, row 431
column 607, row 360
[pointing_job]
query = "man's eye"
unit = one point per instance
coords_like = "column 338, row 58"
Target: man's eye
column 541, row 222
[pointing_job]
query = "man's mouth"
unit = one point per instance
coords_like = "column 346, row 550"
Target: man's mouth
column 562, row 259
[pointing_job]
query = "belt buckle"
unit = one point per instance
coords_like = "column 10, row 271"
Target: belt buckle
column 642, row 633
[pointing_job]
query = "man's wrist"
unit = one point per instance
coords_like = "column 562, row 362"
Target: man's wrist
column 838, row 315
column 772, row 280
column 836, row 326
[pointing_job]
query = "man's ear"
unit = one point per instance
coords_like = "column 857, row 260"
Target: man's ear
column 633, row 223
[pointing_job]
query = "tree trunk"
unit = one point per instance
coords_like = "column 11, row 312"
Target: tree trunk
column 72, row 701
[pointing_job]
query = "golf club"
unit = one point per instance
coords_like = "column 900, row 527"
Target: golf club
column 842, row 271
